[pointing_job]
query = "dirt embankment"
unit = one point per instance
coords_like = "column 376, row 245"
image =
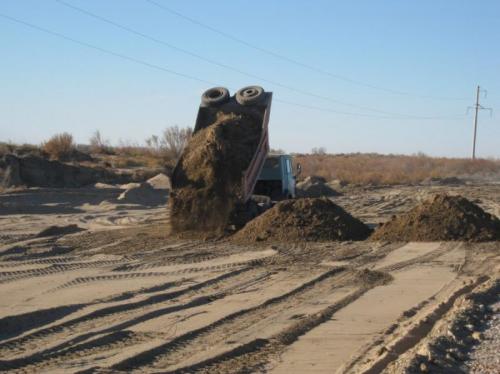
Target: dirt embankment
column 36, row 171
column 207, row 179
column 441, row 218
column 306, row 219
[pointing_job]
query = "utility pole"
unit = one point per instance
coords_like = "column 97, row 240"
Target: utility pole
column 476, row 108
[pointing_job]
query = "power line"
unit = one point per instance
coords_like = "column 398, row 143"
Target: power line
column 328, row 110
column 228, row 67
column 103, row 50
column 173, row 72
column 296, row 62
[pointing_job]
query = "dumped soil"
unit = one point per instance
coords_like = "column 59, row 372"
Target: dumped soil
column 305, row 219
column 207, row 180
column 441, row 218
column 370, row 278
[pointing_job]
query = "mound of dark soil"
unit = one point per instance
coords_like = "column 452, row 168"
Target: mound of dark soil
column 441, row 218
column 207, row 180
column 306, row 219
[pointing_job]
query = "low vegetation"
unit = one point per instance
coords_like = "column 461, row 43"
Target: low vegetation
column 158, row 151
column 376, row 169
column 170, row 145
column 59, row 147
column 99, row 145
column 355, row 168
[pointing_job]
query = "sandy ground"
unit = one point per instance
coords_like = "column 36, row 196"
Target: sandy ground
column 123, row 296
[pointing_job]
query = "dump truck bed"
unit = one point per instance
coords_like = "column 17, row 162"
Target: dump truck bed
column 216, row 174
column 207, row 115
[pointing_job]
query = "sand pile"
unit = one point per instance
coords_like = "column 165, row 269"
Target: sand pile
column 160, row 182
column 306, row 219
column 207, row 179
column 143, row 194
column 314, row 186
column 441, row 218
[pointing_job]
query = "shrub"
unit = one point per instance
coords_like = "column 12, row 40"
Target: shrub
column 59, row 147
column 99, row 145
column 318, row 151
column 6, row 148
column 171, row 144
column 174, row 140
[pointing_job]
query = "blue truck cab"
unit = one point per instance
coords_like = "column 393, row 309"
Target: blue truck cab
column 277, row 178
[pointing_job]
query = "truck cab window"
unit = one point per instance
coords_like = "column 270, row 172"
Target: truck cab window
column 272, row 163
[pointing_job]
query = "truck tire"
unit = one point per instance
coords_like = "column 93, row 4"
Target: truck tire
column 215, row 96
column 249, row 95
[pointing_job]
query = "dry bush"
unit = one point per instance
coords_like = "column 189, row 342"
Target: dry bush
column 127, row 148
column 153, row 144
column 99, row 145
column 390, row 169
column 171, row 144
column 59, row 147
column 19, row 149
column 318, row 151
column 175, row 139
column 129, row 155
column 6, row 148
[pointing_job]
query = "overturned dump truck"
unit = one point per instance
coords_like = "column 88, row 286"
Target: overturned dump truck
column 213, row 180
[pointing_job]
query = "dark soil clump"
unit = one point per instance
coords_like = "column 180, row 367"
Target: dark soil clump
column 370, row 278
column 306, row 219
column 207, row 181
column 441, row 218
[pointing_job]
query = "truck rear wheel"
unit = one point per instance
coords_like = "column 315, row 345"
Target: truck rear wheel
column 249, row 95
column 215, row 96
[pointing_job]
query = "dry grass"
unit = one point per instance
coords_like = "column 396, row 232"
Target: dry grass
column 158, row 151
column 170, row 144
column 59, row 147
column 99, row 145
column 132, row 155
column 131, row 159
column 19, row 149
column 378, row 169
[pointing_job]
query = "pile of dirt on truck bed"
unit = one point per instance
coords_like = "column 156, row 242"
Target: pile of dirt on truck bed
column 442, row 217
column 304, row 219
column 208, row 176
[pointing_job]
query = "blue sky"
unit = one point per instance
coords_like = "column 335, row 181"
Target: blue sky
column 437, row 51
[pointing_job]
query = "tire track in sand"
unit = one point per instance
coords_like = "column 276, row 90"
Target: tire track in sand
column 189, row 344
column 255, row 355
column 109, row 314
